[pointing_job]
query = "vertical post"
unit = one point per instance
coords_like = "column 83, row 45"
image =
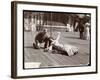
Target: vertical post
column 51, row 25
column 41, row 21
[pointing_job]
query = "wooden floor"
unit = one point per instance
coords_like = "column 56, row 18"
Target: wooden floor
column 48, row 59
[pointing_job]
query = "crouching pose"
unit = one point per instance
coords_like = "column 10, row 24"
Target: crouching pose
column 66, row 48
column 42, row 37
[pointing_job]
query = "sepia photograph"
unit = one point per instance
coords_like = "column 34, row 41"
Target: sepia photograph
column 53, row 39
column 56, row 39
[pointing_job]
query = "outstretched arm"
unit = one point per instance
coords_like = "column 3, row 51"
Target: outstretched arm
column 58, row 36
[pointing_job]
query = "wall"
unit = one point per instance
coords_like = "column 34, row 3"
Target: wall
column 5, row 40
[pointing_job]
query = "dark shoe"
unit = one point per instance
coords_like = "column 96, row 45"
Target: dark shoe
column 45, row 50
column 35, row 46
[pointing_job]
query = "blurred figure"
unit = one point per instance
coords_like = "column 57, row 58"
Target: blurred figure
column 81, row 29
column 86, row 31
column 68, row 28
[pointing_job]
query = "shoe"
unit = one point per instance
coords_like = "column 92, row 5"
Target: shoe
column 45, row 50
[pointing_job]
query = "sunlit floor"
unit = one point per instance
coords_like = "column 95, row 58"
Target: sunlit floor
column 48, row 59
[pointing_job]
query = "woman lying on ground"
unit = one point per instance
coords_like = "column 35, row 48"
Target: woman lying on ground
column 63, row 49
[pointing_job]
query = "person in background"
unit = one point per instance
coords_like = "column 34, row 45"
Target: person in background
column 86, row 31
column 81, row 29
